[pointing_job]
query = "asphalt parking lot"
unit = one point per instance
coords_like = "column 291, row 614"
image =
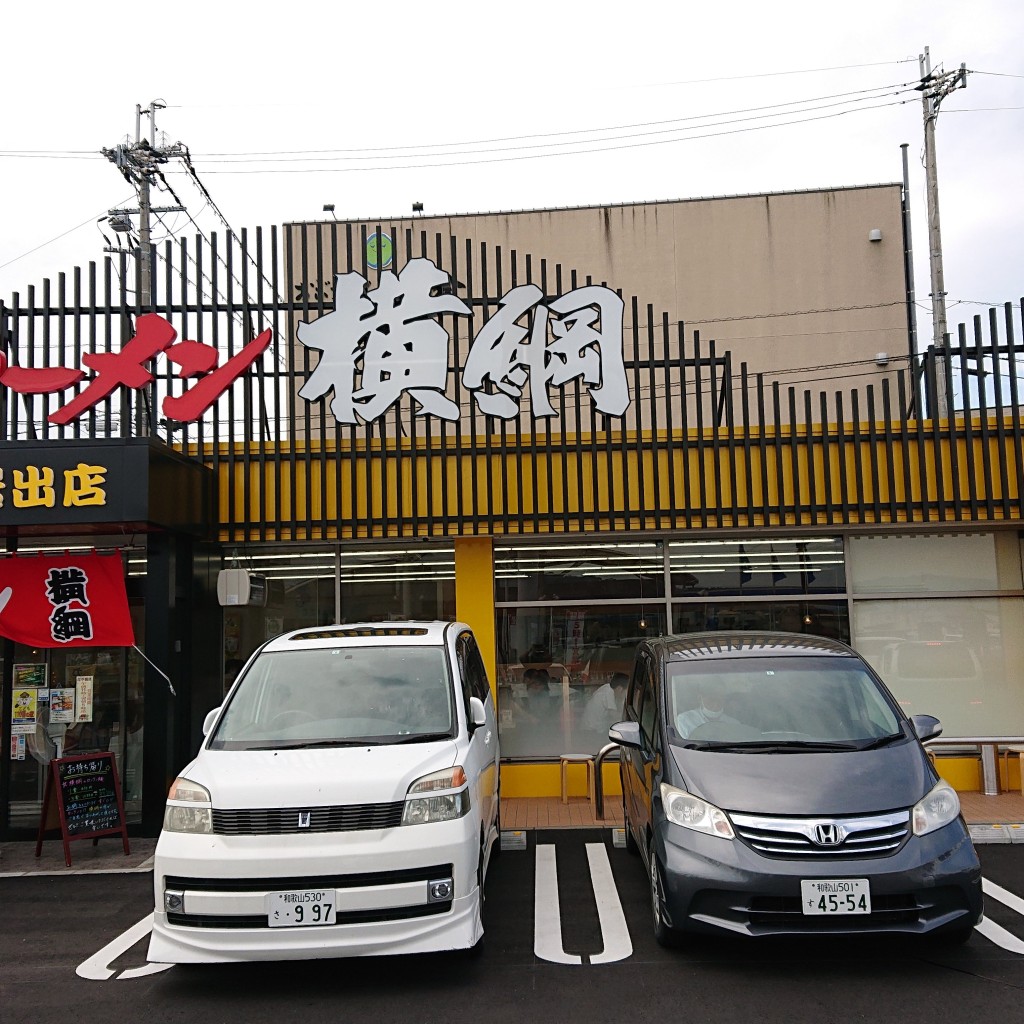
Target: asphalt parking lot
column 568, row 939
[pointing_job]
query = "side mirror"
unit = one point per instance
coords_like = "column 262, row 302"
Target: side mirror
column 626, row 734
column 209, row 720
column 477, row 715
column 927, row 727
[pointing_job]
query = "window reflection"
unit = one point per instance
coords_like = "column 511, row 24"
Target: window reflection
column 561, row 673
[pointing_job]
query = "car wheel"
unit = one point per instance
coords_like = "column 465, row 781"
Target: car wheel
column 663, row 933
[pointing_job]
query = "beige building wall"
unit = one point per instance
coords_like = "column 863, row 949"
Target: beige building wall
column 790, row 283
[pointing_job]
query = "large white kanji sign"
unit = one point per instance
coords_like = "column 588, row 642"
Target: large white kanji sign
column 381, row 343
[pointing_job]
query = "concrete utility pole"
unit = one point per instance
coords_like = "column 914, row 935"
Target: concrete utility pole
column 139, row 163
column 934, row 88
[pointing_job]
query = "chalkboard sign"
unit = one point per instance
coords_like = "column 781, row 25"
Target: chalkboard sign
column 88, row 796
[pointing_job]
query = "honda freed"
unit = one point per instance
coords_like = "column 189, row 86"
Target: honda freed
column 344, row 802
column 773, row 786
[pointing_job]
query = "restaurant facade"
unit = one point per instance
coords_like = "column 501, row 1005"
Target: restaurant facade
column 571, row 429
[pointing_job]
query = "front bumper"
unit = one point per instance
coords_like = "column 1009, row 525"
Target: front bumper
column 380, row 878
column 931, row 884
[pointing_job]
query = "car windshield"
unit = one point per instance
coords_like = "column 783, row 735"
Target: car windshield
column 779, row 702
column 342, row 696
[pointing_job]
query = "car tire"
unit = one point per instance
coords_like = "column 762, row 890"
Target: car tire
column 664, row 934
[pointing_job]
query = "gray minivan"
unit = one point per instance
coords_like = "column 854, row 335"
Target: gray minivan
column 773, row 786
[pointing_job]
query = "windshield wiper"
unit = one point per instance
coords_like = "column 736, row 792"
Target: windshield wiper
column 882, row 741
column 422, row 737
column 311, row 744
column 773, row 746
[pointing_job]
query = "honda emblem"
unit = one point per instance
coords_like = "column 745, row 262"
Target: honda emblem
column 829, row 834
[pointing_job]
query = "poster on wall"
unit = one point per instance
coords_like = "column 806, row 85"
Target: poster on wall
column 62, row 705
column 30, row 675
column 17, row 748
column 83, row 698
column 24, row 710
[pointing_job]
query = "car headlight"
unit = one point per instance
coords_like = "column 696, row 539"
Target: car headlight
column 938, row 808
column 189, row 808
column 424, row 803
column 685, row 809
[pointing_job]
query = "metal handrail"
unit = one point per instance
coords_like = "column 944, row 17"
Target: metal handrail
column 599, row 780
column 988, row 748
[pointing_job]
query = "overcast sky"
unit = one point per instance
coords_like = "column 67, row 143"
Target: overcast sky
column 469, row 106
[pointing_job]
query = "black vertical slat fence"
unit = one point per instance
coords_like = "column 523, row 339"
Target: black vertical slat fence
column 705, row 443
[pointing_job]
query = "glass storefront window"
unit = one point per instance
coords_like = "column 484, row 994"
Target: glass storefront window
column 389, row 583
column 113, row 679
column 813, row 565
column 820, row 618
column 935, row 563
column 560, row 674
column 375, row 584
column 960, row 659
column 579, row 572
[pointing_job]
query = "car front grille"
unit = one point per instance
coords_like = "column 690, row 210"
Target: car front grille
column 877, row 835
column 265, row 821
column 350, row 883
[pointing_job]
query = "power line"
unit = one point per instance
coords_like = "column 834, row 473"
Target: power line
column 846, row 96
column 541, row 156
column 56, row 238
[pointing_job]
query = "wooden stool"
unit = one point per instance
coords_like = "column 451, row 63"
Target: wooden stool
column 1006, row 753
column 586, row 759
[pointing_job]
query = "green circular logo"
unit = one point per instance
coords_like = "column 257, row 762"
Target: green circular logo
column 378, row 251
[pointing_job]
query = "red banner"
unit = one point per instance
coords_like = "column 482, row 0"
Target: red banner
column 65, row 601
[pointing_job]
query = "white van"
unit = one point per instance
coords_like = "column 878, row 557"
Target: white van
column 344, row 802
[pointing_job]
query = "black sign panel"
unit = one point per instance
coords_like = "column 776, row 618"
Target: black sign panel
column 123, row 481
column 88, row 794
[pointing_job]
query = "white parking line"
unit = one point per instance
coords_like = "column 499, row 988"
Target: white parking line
column 997, row 892
column 547, row 933
column 1000, row 936
column 617, row 944
column 997, row 933
column 547, row 917
column 97, row 967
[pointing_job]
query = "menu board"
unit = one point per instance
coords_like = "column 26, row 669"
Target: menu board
column 88, row 796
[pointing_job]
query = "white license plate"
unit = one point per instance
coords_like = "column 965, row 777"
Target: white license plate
column 300, row 908
column 835, row 896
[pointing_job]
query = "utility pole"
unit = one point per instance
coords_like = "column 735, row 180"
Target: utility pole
column 934, row 88
column 140, row 163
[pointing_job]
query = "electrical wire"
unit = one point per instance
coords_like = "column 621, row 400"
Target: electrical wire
column 900, row 87
column 63, row 234
column 540, row 156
